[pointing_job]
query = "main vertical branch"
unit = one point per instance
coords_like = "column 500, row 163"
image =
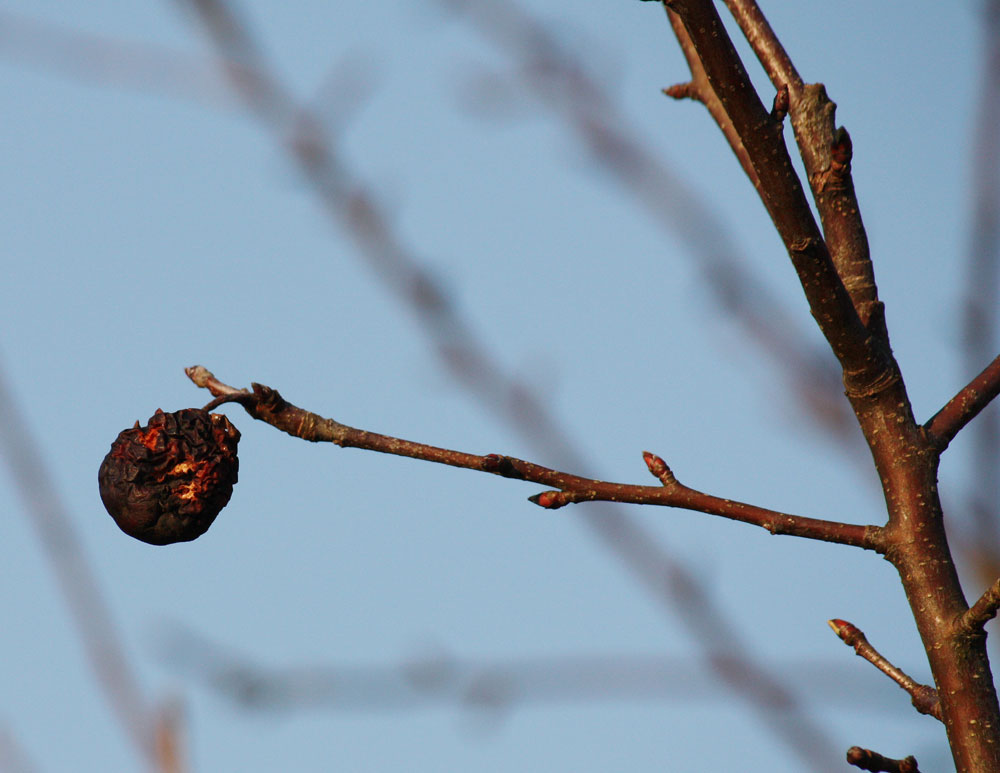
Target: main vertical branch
column 826, row 153
column 782, row 193
column 904, row 454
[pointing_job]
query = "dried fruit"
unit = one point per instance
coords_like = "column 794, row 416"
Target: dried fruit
column 167, row 481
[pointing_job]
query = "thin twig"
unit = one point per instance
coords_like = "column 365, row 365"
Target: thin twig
column 984, row 610
column 437, row 676
column 699, row 89
column 14, row 757
column 924, row 698
column 143, row 67
column 866, row 759
column 965, row 405
column 980, row 302
column 267, row 405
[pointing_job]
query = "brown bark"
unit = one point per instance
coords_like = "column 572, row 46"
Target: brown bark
column 905, row 455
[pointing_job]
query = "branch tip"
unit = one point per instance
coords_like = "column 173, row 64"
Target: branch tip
column 841, row 151
column 984, row 610
column 200, row 375
column 780, row 107
column 682, row 91
column 658, row 468
column 866, row 759
column 843, row 629
column 551, row 500
column 923, row 697
column 965, row 405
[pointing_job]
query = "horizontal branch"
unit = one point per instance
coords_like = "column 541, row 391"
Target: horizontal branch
column 965, row 406
column 267, row 405
column 440, row 677
column 924, row 698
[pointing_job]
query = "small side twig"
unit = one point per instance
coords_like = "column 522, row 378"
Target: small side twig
column 700, row 90
column 984, row 610
column 866, row 759
column 924, row 698
column 267, row 405
column 965, row 406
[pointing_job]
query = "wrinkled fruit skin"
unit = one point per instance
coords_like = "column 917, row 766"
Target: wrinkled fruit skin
column 167, row 481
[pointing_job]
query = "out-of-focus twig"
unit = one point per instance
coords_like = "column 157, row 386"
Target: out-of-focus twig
column 559, row 82
column 79, row 586
column 437, row 677
column 354, row 208
column 924, row 698
column 982, row 309
column 669, row 201
column 145, row 67
column 14, row 758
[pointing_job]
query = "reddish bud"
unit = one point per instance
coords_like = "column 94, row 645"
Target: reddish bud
column 841, row 150
column 552, row 500
column 781, row 101
column 659, row 468
column 846, row 631
column 655, row 464
column 166, row 482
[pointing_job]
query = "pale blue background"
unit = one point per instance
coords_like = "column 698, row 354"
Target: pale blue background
column 142, row 232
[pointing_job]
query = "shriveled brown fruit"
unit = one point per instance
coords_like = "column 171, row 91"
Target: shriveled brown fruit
column 167, row 481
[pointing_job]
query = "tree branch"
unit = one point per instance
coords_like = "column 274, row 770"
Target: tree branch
column 867, row 364
column 352, row 204
column 980, row 303
column 924, row 698
column 964, row 406
column 765, row 44
column 984, row 610
column 826, row 153
column 559, row 81
column 699, row 89
column 866, row 759
column 265, row 404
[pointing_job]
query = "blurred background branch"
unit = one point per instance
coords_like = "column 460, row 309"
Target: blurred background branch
column 981, row 316
column 543, row 65
column 137, row 716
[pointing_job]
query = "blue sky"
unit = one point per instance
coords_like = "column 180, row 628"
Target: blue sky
column 150, row 224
